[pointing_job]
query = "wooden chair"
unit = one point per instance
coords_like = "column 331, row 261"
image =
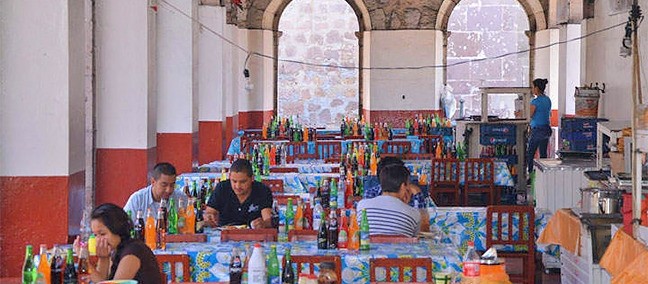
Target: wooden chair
column 281, row 170
column 396, row 147
column 444, row 180
column 382, row 239
column 311, row 260
column 401, row 264
column 283, row 199
column 172, row 260
column 479, row 178
column 409, row 156
column 249, row 235
column 501, row 230
column 329, row 149
column 302, row 235
column 299, row 151
column 275, row 185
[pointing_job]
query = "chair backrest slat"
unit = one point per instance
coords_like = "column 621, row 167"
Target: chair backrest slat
column 401, row 264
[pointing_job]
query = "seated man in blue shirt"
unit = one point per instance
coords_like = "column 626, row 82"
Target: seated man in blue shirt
column 373, row 190
column 389, row 213
column 162, row 186
column 240, row 200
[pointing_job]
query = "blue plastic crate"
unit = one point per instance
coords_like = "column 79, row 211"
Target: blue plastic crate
column 497, row 129
column 508, row 159
column 578, row 135
column 582, row 145
column 496, row 140
column 580, row 124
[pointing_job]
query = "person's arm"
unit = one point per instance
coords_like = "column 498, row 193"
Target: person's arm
column 131, row 204
column 532, row 110
column 211, row 216
column 127, row 267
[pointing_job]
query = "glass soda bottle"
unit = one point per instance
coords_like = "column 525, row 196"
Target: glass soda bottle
column 29, row 273
column 299, row 216
column 56, row 267
column 322, row 235
column 83, row 267
column 182, row 217
column 160, row 231
column 333, row 229
column 354, row 232
column 318, row 210
column 44, row 265
column 236, row 267
column 139, row 226
column 70, row 273
column 273, row 266
column 172, row 218
column 149, row 230
column 288, row 274
column 364, row 231
column 290, row 216
column 190, row 221
column 343, row 235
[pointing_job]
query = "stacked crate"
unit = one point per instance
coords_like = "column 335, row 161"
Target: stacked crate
column 578, row 134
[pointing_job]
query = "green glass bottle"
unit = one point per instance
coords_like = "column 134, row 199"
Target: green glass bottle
column 70, row 274
column 273, row 266
column 364, row 231
column 333, row 199
column 29, row 268
column 290, row 216
column 172, row 219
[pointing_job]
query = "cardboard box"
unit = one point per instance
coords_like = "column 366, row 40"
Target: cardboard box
column 616, row 162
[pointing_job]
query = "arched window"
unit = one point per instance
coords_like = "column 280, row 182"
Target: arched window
column 484, row 30
column 318, row 32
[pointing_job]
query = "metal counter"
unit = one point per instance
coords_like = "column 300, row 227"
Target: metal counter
column 558, row 182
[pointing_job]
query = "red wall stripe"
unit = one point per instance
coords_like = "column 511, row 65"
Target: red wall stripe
column 120, row 172
column 177, row 149
column 210, row 141
column 33, row 210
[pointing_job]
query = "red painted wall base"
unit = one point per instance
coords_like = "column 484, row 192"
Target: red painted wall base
column 210, row 141
column 120, row 172
column 177, row 149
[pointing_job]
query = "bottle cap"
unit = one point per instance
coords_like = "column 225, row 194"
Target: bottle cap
column 257, row 245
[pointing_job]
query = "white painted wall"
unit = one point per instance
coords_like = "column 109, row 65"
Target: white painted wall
column 38, row 79
column 175, row 66
column 403, row 49
column 125, row 39
column 605, row 65
column 210, row 65
column 573, row 75
column 228, row 69
column 76, row 114
column 366, row 73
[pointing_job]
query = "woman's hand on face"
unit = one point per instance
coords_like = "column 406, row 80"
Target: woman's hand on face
column 103, row 248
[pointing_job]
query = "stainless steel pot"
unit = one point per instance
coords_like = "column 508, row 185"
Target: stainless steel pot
column 600, row 201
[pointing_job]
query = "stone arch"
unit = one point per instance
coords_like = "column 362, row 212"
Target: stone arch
column 533, row 8
column 275, row 8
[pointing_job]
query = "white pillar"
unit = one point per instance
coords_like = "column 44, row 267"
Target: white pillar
column 177, row 82
column 211, row 109
column 126, row 105
column 41, row 124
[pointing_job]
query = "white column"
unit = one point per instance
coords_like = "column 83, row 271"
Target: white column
column 573, row 65
column 211, row 63
column 261, row 93
column 177, row 69
column 125, row 61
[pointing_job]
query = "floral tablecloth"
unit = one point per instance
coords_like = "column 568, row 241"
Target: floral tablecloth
column 210, row 261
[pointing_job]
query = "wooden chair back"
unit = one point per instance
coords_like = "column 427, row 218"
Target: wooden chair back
column 401, row 264
column 396, row 147
column 329, row 149
column 382, row 239
column 479, row 177
column 283, row 199
column 311, row 260
column 513, row 225
column 275, row 185
column 172, row 260
column 281, row 170
column 302, row 235
column 249, row 235
column 444, row 180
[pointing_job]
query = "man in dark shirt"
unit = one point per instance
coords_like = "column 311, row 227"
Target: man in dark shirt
column 240, row 200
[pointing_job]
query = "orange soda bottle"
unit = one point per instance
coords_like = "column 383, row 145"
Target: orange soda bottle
column 299, row 216
column 149, row 230
column 354, row 232
column 190, row 218
column 43, row 265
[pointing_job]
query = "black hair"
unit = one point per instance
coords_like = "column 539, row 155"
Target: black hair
column 242, row 166
column 163, row 168
column 386, row 161
column 392, row 177
column 114, row 218
column 541, row 84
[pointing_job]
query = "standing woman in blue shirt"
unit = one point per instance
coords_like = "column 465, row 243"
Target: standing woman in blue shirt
column 540, row 128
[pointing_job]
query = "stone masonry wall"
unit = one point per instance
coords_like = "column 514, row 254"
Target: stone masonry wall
column 320, row 32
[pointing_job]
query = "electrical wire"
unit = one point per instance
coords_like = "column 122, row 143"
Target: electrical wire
column 261, row 55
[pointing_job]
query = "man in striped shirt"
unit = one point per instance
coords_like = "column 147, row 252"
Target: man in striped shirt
column 389, row 213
